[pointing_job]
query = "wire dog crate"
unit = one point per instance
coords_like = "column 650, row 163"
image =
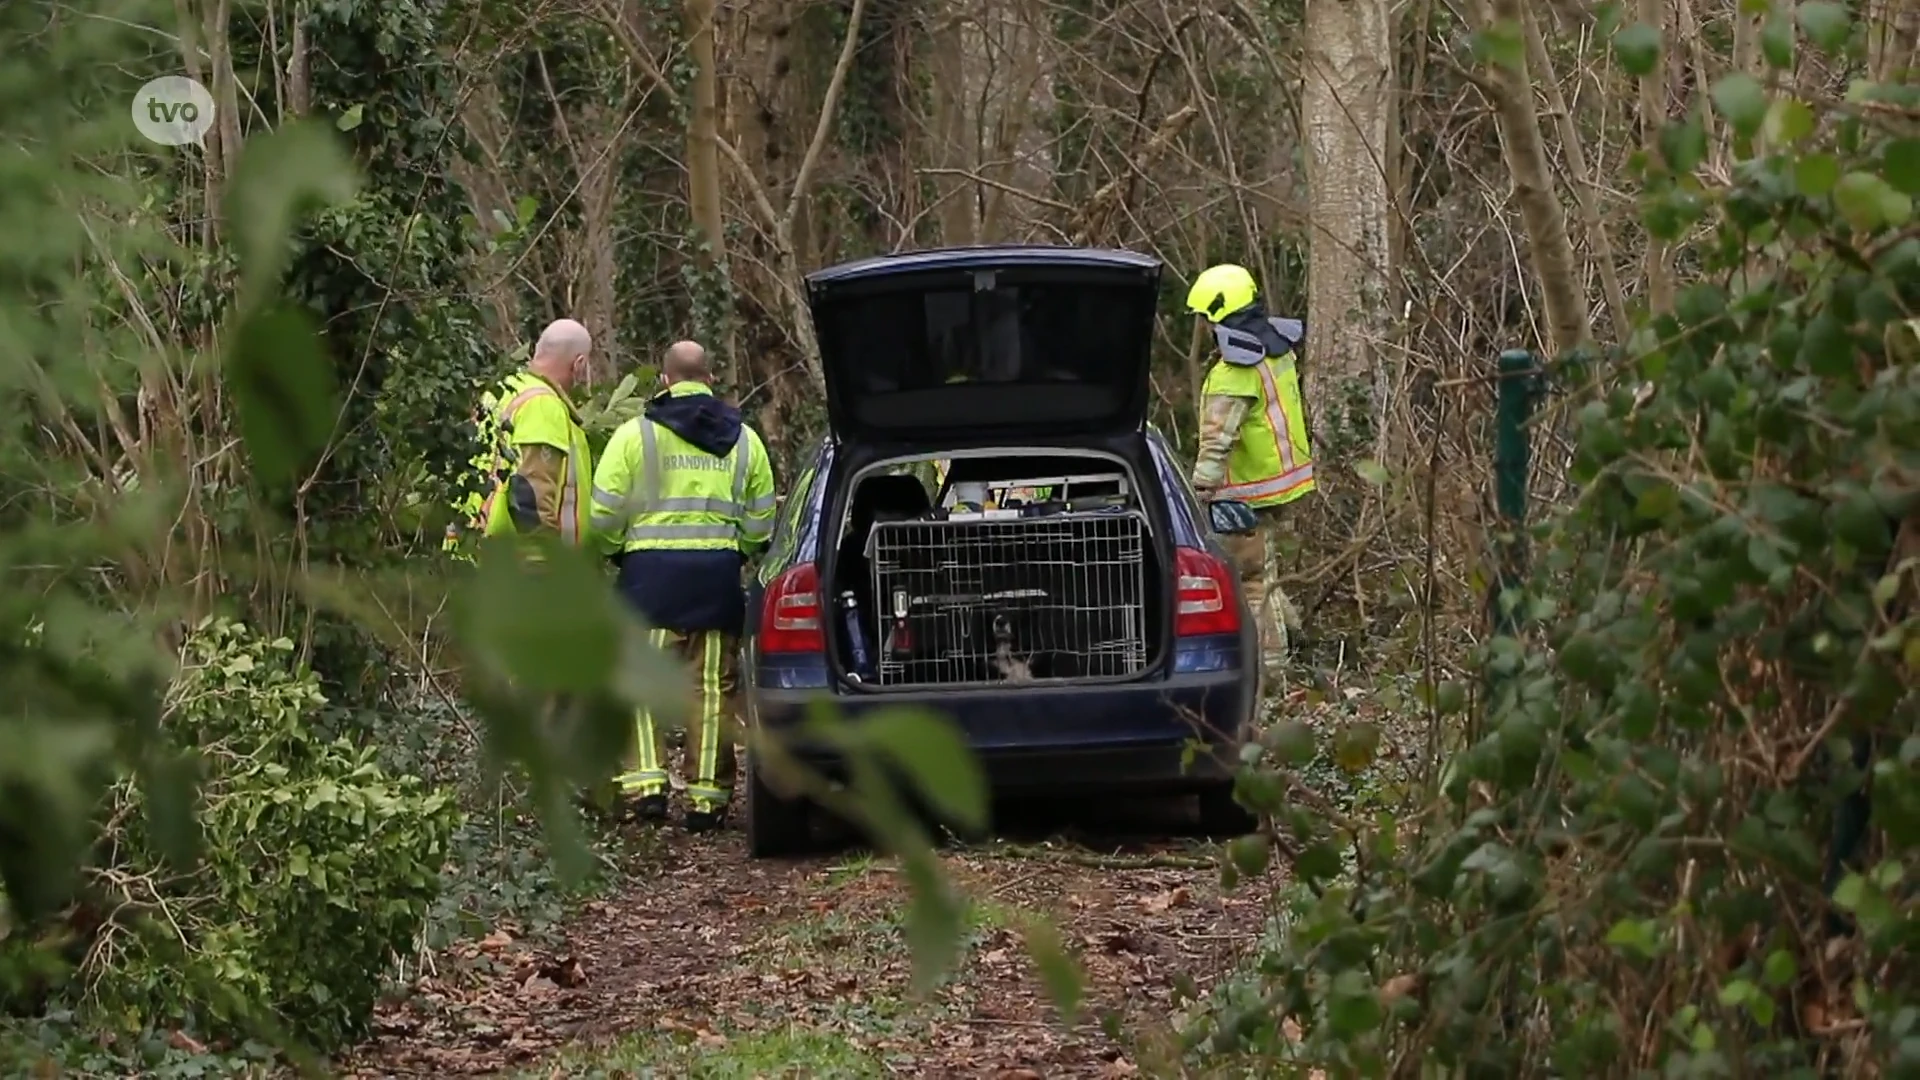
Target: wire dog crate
column 1031, row 599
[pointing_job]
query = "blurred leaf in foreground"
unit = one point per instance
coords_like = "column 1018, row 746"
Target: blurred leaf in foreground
column 281, row 175
column 936, row 759
column 552, row 625
column 284, row 392
column 1058, row 971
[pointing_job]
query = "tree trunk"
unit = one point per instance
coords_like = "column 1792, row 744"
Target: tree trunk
column 299, row 72
column 1013, row 43
column 1893, row 38
column 1586, row 186
column 703, row 164
column 949, row 137
column 1547, row 240
column 1348, row 83
column 483, row 115
column 786, row 258
column 596, row 290
column 762, row 105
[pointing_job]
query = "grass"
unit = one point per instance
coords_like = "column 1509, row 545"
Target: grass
column 856, row 867
column 774, row 1055
column 835, row 938
column 804, row 1036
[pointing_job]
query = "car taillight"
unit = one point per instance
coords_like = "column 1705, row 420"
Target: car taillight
column 1203, row 595
column 790, row 615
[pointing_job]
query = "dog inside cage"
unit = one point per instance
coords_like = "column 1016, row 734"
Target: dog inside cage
column 1018, row 571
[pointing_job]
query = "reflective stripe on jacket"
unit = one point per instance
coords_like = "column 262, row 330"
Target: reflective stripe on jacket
column 654, row 490
column 528, row 411
column 1271, row 462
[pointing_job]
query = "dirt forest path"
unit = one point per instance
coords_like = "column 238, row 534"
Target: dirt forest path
column 707, row 964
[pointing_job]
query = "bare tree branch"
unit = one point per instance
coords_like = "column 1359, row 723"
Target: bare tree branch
column 828, row 107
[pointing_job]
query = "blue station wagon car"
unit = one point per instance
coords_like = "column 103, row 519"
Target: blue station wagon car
column 993, row 531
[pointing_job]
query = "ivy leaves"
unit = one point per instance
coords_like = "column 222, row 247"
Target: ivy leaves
column 1827, row 24
column 1740, row 98
column 1680, row 751
column 282, row 176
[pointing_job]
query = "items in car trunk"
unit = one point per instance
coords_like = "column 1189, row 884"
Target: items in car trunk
column 862, row 667
column 1000, row 597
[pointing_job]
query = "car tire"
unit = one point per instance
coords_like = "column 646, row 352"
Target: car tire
column 1221, row 816
column 776, row 827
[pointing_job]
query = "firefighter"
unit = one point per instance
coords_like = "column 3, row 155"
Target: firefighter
column 535, row 465
column 1253, row 435
column 684, row 494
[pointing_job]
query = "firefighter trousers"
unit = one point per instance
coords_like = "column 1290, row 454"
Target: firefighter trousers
column 1255, row 563
column 711, row 655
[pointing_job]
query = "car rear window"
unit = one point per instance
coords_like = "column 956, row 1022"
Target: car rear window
column 1036, row 333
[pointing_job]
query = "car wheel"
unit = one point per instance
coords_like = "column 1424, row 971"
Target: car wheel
column 775, row 826
column 1221, row 816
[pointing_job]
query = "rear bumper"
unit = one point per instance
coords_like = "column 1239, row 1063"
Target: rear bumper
column 1136, row 737
column 1131, row 770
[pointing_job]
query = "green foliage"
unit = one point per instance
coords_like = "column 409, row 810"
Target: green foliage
column 625, row 401
column 933, row 754
column 1683, row 832
column 217, row 854
column 1504, row 43
column 80, row 677
column 318, row 869
column 786, row 1053
column 1637, row 47
column 497, row 870
column 712, row 294
column 1827, row 24
column 60, row 1045
column 205, row 856
column 408, row 368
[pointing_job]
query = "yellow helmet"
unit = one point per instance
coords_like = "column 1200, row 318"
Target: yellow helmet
column 1221, row 290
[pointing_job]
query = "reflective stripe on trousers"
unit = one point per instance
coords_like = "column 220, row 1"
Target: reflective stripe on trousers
column 570, row 501
column 709, row 747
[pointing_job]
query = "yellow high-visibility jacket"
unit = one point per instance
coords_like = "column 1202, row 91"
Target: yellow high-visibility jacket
column 525, row 424
column 655, row 490
column 1270, row 461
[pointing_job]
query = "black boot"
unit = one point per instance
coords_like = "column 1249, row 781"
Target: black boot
column 701, row 821
column 648, row 809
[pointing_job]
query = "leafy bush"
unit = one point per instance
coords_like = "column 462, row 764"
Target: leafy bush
column 317, row 867
column 1683, row 834
column 497, row 871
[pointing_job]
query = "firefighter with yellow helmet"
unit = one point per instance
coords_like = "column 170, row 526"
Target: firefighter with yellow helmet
column 1253, row 434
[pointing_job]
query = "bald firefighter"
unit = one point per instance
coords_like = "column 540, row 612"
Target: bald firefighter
column 683, row 495
column 534, row 467
column 1253, row 435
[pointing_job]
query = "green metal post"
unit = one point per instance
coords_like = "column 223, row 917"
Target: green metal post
column 1512, row 460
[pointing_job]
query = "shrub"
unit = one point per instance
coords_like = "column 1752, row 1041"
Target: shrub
column 1682, row 836
column 316, row 869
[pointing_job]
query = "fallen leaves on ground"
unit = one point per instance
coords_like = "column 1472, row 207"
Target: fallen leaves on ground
column 705, row 943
